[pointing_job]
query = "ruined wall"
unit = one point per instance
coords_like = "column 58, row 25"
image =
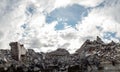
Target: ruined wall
column 14, row 50
column 17, row 50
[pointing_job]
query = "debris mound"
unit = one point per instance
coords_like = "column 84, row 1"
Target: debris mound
column 94, row 56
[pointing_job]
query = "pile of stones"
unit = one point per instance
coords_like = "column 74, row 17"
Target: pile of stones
column 90, row 53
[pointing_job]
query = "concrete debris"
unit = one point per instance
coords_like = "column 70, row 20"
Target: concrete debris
column 17, row 50
column 92, row 56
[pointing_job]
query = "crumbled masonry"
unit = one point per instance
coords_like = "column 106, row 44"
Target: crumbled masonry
column 92, row 56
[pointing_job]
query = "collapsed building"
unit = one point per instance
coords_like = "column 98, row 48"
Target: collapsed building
column 92, row 56
column 100, row 54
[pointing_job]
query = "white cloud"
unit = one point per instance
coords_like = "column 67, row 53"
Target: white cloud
column 102, row 17
column 61, row 3
column 10, row 18
column 42, row 36
column 87, row 3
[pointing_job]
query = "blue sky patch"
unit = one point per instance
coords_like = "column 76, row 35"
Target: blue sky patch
column 30, row 10
column 71, row 15
column 59, row 26
column 109, row 35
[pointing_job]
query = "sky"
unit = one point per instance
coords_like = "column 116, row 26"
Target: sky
column 45, row 25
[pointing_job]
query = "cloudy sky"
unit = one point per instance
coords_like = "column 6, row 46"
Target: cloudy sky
column 46, row 25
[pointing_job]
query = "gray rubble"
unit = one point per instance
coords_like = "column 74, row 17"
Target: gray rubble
column 92, row 55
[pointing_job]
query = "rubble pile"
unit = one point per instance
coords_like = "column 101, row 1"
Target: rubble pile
column 91, row 53
column 105, row 52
